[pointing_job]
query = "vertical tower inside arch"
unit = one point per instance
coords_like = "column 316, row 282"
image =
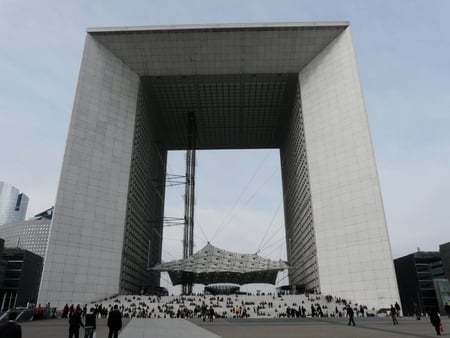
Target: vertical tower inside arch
column 142, row 241
column 299, row 223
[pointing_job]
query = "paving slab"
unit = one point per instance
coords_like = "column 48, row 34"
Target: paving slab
column 164, row 328
column 372, row 327
column 59, row 328
column 248, row 328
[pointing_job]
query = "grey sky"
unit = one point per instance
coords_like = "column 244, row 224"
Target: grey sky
column 403, row 51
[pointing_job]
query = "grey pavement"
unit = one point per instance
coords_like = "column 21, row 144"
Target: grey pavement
column 164, row 328
column 59, row 328
column 323, row 327
column 246, row 328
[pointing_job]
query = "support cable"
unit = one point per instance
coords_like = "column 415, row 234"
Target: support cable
column 268, row 242
column 244, row 204
column 268, row 227
column 275, row 242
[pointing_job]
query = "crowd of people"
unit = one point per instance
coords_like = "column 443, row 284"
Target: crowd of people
column 232, row 306
column 206, row 308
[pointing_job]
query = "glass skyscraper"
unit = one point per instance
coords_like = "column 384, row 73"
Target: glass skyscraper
column 13, row 204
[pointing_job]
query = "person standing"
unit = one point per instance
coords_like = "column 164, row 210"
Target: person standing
column 417, row 311
column 211, row 314
column 89, row 326
column 74, row 324
column 447, row 309
column 351, row 315
column 397, row 309
column 114, row 322
column 204, row 311
column 394, row 315
column 65, row 312
column 11, row 329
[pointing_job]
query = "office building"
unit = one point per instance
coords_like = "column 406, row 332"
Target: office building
column 31, row 235
column 290, row 86
column 444, row 251
column 13, row 204
column 21, row 279
column 416, row 273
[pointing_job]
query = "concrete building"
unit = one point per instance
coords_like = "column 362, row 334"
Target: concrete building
column 291, row 86
column 21, row 278
column 444, row 251
column 30, row 235
column 415, row 275
column 13, row 204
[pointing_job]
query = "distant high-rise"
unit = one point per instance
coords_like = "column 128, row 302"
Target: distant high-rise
column 13, row 204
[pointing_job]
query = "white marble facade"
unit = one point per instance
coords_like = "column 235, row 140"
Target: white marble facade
column 343, row 227
column 353, row 251
column 86, row 236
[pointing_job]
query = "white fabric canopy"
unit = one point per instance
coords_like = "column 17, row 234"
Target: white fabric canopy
column 214, row 265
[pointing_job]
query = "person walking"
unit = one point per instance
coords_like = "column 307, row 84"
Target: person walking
column 435, row 321
column 11, row 329
column 114, row 322
column 351, row 315
column 90, row 324
column 74, row 324
column 394, row 315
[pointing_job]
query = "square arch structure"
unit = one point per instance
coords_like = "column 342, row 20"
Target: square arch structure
column 289, row 86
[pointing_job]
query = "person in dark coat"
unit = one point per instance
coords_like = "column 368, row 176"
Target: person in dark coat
column 211, row 314
column 90, row 325
column 447, row 309
column 114, row 322
column 417, row 311
column 394, row 315
column 74, row 324
column 435, row 321
column 11, row 329
column 351, row 315
column 65, row 312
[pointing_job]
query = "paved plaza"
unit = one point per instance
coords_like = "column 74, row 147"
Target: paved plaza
column 247, row 328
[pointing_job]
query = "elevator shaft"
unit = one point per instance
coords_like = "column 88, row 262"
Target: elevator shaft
column 189, row 197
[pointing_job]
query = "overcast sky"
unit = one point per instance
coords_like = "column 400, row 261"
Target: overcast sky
column 403, row 52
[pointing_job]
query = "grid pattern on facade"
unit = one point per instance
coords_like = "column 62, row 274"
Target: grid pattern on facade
column 85, row 247
column 218, row 49
column 297, row 203
column 106, row 183
column 232, row 111
column 145, row 204
column 30, row 235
